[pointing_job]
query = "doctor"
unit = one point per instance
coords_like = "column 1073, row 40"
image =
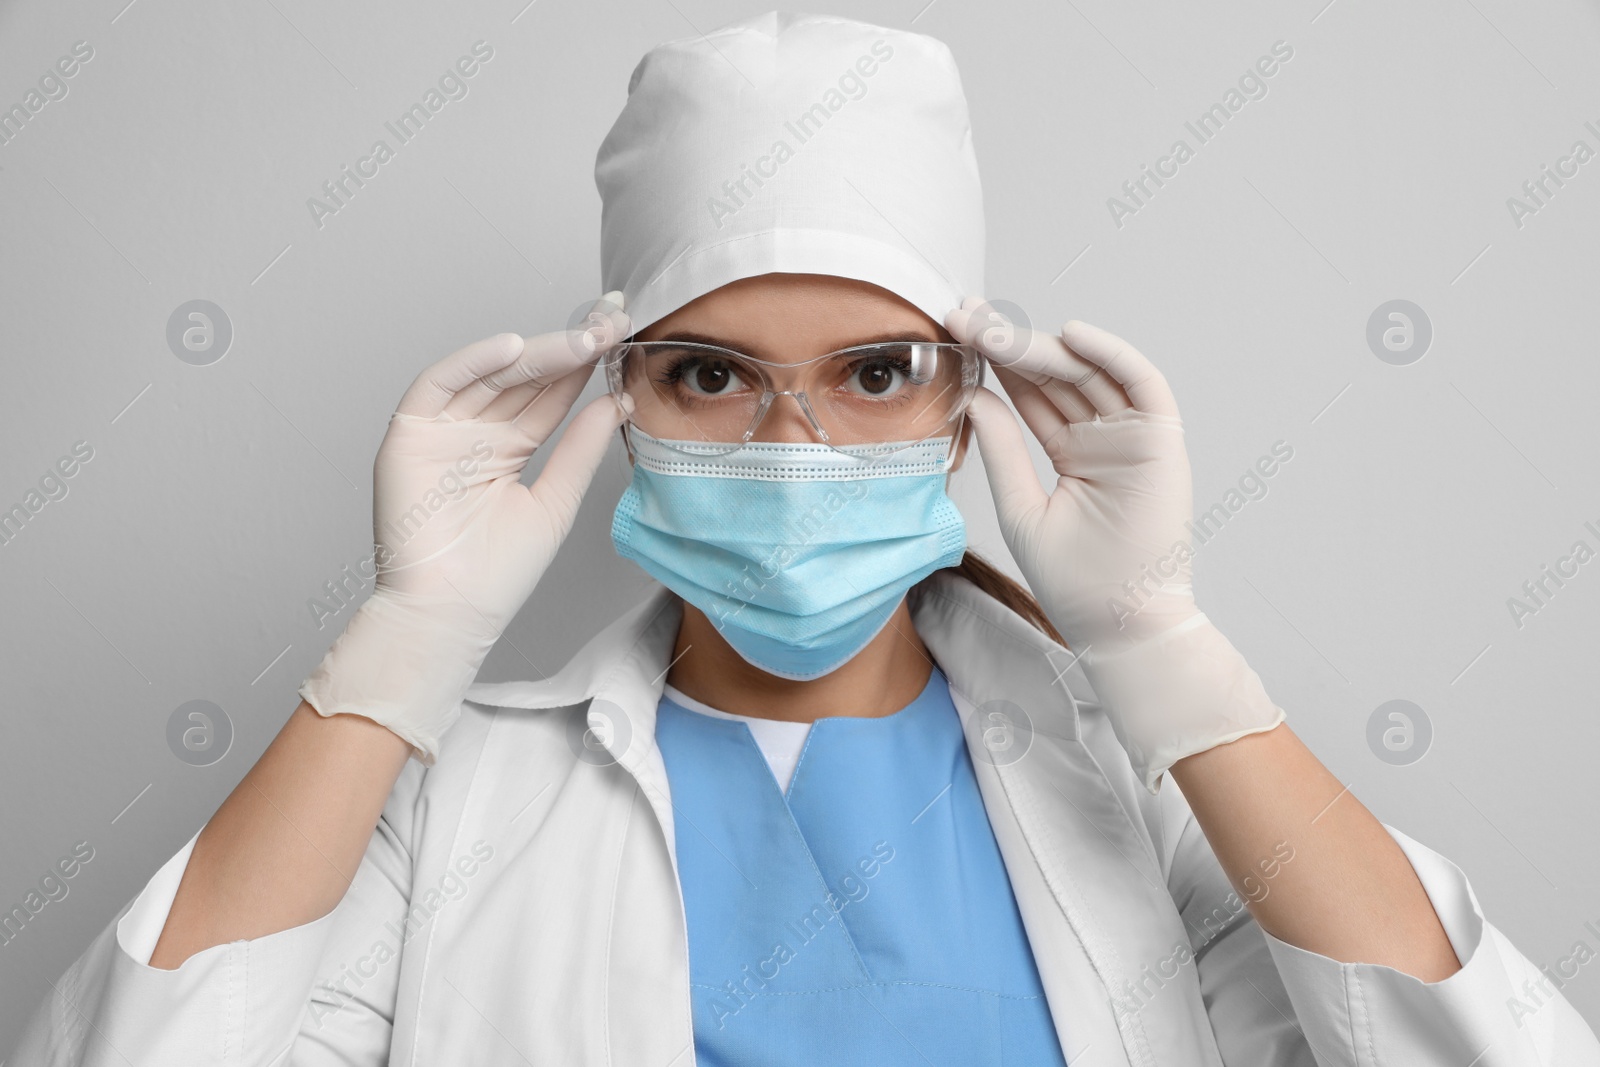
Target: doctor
column 839, row 791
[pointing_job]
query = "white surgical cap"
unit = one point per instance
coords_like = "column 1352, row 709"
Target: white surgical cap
column 808, row 144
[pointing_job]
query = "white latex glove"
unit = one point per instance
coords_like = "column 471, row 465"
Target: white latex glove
column 1107, row 552
column 461, row 542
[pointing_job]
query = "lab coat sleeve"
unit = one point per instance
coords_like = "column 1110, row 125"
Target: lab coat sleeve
column 316, row 995
column 1271, row 1003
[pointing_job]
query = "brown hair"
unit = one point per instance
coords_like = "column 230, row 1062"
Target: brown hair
column 989, row 578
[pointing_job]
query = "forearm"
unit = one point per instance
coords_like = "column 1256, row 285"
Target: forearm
column 1348, row 892
column 284, row 846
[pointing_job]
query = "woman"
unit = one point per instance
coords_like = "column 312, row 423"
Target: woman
column 839, row 790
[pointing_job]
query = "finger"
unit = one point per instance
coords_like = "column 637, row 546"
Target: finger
column 1047, row 408
column 513, row 404
column 1035, row 355
column 1012, row 480
column 439, row 383
column 1040, row 357
column 545, row 358
column 1145, row 386
column 508, row 403
column 575, row 458
column 554, row 355
column 541, row 415
column 1106, row 395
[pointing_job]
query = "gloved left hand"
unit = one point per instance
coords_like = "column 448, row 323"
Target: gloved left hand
column 1107, row 552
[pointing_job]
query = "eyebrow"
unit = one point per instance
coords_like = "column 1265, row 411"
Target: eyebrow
column 895, row 337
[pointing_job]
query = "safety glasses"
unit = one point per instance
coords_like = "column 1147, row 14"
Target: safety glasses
column 895, row 394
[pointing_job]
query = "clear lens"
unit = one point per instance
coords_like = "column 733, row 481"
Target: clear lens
column 871, row 394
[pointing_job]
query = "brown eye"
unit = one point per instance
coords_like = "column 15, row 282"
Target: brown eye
column 876, row 378
column 711, row 377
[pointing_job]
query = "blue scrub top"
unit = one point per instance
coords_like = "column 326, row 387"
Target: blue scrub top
column 863, row 917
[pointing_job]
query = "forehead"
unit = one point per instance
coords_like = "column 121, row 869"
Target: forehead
column 795, row 316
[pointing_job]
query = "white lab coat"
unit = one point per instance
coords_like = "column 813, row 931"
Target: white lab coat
column 546, row 924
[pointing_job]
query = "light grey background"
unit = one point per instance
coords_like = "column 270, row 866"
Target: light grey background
column 220, row 498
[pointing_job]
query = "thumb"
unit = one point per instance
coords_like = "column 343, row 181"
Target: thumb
column 576, row 456
column 1012, row 479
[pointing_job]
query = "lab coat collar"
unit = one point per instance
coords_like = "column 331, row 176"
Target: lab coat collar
column 620, row 673
column 613, row 657
column 641, row 639
column 622, row 670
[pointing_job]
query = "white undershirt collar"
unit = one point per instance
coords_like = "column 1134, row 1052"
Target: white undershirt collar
column 780, row 741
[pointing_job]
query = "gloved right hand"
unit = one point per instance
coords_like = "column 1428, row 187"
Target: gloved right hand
column 461, row 543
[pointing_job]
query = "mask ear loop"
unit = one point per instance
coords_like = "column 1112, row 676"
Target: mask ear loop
column 955, row 444
column 971, row 382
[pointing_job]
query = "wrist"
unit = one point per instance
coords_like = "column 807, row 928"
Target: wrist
column 1178, row 693
column 404, row 661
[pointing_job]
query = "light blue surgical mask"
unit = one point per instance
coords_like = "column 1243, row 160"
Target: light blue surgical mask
column 797, row 553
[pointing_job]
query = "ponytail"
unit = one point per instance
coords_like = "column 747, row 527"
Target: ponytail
column 987, row 577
